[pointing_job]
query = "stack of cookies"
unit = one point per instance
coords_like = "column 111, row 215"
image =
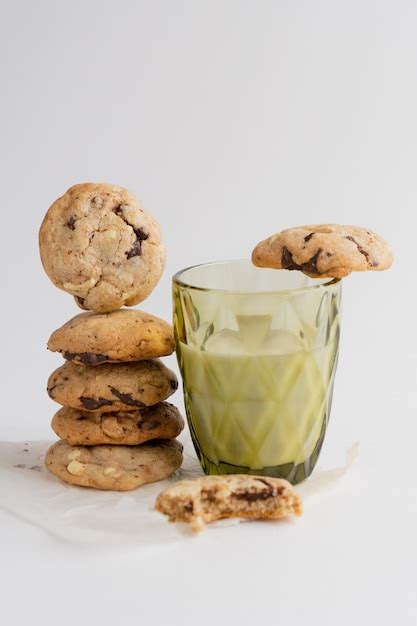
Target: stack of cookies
column 116, row 429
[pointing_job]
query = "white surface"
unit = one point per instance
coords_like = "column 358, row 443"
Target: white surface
column 106, row 518
column 230, row 120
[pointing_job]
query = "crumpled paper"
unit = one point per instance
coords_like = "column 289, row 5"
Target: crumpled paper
column 80, row 515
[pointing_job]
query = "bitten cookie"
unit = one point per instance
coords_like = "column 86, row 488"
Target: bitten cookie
column 111, row 386
column 114, row 468
column 125, row 335
column 210, row 498
column 325, row 250
column 99, row 244
column 82, row 428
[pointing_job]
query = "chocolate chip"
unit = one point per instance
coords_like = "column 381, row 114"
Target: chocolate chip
column 87, row 358
column 361, row 250
column 141, row 235
column 71, row 223
column 308, row 237
column 309, row 267
column 189, row 507
column 91, row 404
column 126, row 398
column 136, row 249
column 253, row 496
column 174, row 384
column 81, row 301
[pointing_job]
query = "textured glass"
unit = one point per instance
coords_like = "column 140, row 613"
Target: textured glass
column 257, row 350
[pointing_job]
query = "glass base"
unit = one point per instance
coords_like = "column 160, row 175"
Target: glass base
column 294, row 473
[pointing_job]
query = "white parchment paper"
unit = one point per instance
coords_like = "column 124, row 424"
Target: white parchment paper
column 80, row 515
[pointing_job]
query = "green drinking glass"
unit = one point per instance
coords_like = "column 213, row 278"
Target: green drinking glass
column 257, row 349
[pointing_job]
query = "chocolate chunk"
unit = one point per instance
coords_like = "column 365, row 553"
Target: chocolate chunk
column 92, row 404
column 87, row 358
column 141, row 235
column 71, row 223
column 361, row 250
column 309, row 267
column 136, row 249
column 308, row 237
column 253, row 496
column 126, row 398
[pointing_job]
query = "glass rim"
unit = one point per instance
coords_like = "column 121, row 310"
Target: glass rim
column 176, row 279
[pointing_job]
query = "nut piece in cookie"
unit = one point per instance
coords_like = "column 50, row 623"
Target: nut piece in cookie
column 129, row 428
column 114, row 468
column 99, row 244
column 324, row 251
column 210, row 498
column 125, row 335
column 112, row 387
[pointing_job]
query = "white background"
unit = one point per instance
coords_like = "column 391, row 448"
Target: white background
column 230, row 120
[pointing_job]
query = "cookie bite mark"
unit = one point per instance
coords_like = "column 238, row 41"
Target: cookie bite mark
column 309, row 267
column 86, row 358
column 126, row 398
column 92, row 404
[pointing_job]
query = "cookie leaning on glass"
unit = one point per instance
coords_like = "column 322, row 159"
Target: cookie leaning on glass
column 324, row 251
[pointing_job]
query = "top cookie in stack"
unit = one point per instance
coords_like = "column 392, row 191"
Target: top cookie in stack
column 99, row 244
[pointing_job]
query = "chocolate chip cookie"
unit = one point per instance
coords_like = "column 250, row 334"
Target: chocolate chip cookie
column 114, row 468
column 99, row 244
column 325, row 250
column 111, row 386
column 85, row 428
column 125, row 335
column 210, row 498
